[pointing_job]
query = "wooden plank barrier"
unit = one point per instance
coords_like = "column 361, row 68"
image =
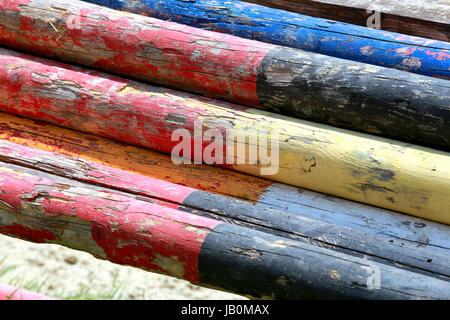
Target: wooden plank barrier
column 399, row 22
column 314, row 87
column 368, row 169
column 8, row 292
column 111, row 225
column 96, row 156
column 290, row 29
column 233, row 211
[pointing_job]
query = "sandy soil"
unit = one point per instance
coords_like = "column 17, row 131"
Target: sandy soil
column 65, row 273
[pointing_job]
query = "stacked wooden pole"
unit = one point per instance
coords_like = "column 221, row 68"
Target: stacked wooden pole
column 364, row 168
column 104, row 188
column 343, row 40
column 367, row 15
column 314, row 87
column 139, row 171
column 124, row 229
column 219, row 207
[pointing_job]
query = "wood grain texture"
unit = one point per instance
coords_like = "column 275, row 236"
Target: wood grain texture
column 397, row 227
column 359, row 97
column 237, row 212
column 140, row 47
column 324, row 277
column 139, row 166
column 368, row 169
column 109, row 225
column 290, row 29
column 293, row 82
column 343, row 12
column 135, row 160
column 43, row 208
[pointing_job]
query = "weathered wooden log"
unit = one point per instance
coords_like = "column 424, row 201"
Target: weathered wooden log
column 234, row 211
column 39, row 207
column 320, row 88
column 347, row 12
column 368, row 169
column 92, row 151
column 290, row 29
column 8, row 292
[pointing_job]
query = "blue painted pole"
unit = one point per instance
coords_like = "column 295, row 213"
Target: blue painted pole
column 347, row 41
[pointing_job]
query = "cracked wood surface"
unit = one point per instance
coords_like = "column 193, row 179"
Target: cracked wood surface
column 293, row 82
column 238, row 212
column 290, row 29
column 95, row 152
column 43, row 208
column 139, row 47
column 394, row 17
column 359, row 167
column 107, row 224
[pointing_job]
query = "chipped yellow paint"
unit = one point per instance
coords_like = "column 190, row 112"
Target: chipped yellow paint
column 199, row 231
column 368, row 169
column 356, row 166
column 150, row 223
column 251, row 253
column 276, row 243
column 334, row 274
column 282, row 280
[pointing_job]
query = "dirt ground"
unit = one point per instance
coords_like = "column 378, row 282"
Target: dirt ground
column 65, row 273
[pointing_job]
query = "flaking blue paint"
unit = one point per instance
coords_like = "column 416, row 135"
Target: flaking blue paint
column 343, row 40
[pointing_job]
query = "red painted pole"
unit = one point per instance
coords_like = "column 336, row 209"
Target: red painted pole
column 86, row 150
column 111, row 225
column 400, row 21
column 222, row 208
column 107, row 224
column 293, row 82
column 148, row 116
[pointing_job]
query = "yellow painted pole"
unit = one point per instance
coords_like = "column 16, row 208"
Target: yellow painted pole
column 360, row 167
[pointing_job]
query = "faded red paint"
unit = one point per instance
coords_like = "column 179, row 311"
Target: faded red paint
column 92, row 172
column 12, row 4
column 440, row 56
column 44, row 136
column 8, row 292
column 98, row 103
column 206, row 62
column 417, row 40
column 27, row 233
column 128, row 231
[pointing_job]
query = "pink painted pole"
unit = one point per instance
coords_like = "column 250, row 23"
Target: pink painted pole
column 8, row 292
